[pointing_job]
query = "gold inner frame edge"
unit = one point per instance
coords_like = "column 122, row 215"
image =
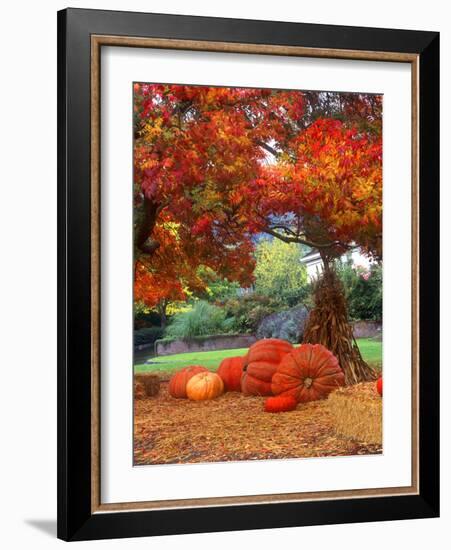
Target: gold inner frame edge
column 97, row 41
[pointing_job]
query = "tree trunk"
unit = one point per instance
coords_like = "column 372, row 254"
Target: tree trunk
column 144, row 241
column 163, row 315
column 328, row 325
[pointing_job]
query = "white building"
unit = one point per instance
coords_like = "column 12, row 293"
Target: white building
column 314, row 264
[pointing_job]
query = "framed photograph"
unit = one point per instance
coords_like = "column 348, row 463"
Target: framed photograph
column 248, row 274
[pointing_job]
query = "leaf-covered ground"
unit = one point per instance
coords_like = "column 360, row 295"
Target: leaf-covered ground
column 233, row 427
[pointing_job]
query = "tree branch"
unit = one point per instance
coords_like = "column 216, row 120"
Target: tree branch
column 268, row 148
column 286, row 230
column 299, row 240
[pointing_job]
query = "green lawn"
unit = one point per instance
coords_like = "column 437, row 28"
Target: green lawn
column 370, row 349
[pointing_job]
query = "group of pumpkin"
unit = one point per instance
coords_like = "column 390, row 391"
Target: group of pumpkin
column 272, row 367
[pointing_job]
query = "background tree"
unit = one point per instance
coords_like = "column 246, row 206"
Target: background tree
column 279, row 272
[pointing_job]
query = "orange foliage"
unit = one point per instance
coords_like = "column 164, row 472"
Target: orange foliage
column 214, row 166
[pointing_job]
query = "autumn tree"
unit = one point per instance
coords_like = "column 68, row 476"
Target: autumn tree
column 326, row 192
column 194, row 148
column 215, row 166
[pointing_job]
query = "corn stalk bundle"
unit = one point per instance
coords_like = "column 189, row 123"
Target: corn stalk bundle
column 328, row 325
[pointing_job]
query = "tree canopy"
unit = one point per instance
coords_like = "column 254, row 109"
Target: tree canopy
column 214, row 167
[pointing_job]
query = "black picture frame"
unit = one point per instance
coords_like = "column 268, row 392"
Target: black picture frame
column 76, row 521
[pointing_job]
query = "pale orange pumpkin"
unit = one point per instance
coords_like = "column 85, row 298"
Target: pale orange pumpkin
column 178, row 382
column 203, row 386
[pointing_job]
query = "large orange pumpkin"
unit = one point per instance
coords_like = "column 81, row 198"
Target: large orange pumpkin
column 177, row 384
column 308, row 373
column 261, row 363
column 203, row 386
column 230, row 370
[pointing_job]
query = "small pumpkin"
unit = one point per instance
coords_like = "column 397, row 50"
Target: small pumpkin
column 261, row 363
column 280, row 403
column 177, row 384
column 307, row 373
column 379, row 385
column 203, row 386
column 230, row 370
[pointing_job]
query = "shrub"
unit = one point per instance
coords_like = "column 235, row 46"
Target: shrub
column 144, row 317
column 217, row 288
column 366, row 298
column 363, row 291
column 203, row 319
column 286, row 325
column 246, row 312
column 147, row 335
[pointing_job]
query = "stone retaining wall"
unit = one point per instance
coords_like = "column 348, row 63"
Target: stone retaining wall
column 204, row 343
column 367, row 329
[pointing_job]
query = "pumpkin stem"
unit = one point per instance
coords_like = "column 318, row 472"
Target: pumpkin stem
column 308, row 382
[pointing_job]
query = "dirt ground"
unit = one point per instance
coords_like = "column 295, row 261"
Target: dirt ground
column 233, row 427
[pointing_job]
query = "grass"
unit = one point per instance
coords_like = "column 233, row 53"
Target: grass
column 209, row 359
column 370, row 349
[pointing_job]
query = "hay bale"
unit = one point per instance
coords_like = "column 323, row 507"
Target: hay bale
column 139, row 391
column 150, row 383
column 357, row 413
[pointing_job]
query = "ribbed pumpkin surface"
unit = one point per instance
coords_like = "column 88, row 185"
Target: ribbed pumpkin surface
column 177, row 384
column 230, row 370
column 308, row 373
column 261, row 363
column 204, row 386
